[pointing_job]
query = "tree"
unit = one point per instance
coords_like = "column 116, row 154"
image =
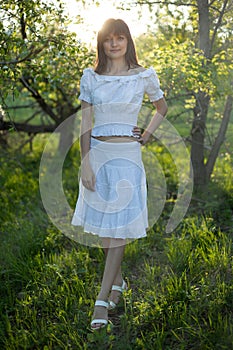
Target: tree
column 41, row 61
column 197, row 67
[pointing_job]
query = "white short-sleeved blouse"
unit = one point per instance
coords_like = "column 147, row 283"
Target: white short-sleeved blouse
column 117, row 100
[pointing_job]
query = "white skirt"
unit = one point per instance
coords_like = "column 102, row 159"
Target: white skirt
column 118, row 206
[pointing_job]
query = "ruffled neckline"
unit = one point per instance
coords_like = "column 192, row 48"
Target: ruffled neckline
column 144, row 74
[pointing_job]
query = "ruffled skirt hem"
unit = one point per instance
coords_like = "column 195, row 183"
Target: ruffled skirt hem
column 118, row 206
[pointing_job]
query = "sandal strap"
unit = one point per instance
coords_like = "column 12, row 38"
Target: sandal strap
column 101, row 303
column 99, row 320
column 120, row 288
column 112, row 305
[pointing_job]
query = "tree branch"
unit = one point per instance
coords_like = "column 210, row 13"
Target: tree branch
column 31, row 105
column 32, row 117
column 212, row 2
column 23, row 24
column 35, row 94
column 165, row 2
column 218, row 24
column 220, row 137
column 18, row 60
column 64, row 96
column 31, row 129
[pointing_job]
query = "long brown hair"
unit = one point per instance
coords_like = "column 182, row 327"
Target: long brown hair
column 116, row 27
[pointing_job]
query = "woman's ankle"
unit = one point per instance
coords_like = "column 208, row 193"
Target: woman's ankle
column 118, row 281
column 102, row 296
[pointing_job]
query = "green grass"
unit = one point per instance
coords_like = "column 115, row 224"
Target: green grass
column 181, row 291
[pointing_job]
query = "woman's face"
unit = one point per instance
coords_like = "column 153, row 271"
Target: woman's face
column 115, row 46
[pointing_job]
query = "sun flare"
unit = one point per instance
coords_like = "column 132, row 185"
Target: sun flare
column 94, row 17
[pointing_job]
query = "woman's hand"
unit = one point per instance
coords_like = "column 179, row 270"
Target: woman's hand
column 142, row 139
column 137, row 133
column 87, row 176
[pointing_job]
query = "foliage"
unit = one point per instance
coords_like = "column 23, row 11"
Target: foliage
column 41, row 60
column 192, row 51
column 180, row 294
column 182, row 67
column 182, row 74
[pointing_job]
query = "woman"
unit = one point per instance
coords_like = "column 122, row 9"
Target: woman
column 112, row 193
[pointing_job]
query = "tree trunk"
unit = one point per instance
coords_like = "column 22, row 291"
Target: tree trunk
column 220, row 137
column 202, row 101
column 198, row 139
column 204, row 27
column 66, row 130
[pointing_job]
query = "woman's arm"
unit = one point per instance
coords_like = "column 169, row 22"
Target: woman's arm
column 87, row 174
column 161, row 110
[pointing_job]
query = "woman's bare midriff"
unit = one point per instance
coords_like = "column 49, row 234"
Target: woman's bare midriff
column 115, row 138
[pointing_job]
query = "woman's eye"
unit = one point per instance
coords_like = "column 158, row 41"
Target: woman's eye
column 121, row 38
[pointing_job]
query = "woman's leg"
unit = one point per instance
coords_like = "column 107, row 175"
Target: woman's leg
column 114, row 256
column 118, row 280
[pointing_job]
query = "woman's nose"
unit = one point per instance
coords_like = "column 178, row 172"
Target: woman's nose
column 113, row 42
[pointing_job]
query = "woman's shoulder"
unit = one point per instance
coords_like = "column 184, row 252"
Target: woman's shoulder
column 142, row 71
column 133, row 73
column 88, row 76
column 137, row 70
column 88, row 71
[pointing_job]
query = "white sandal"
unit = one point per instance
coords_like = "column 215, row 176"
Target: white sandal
column 121, row 289
column 101, row 321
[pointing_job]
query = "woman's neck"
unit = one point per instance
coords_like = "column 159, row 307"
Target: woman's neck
column 116, row 67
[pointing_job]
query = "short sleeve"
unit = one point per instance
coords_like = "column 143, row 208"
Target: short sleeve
column 152, row 85
column 85, row 86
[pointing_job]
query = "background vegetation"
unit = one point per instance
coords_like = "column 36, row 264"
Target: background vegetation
column 181, row 291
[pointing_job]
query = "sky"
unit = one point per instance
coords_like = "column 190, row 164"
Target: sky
column 94, row 17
